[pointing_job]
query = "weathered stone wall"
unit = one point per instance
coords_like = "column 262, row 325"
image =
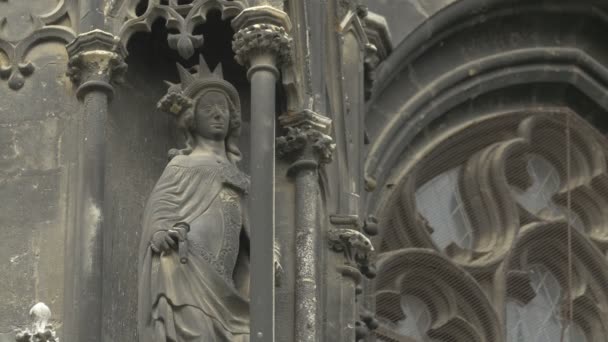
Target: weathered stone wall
column 138, row 139
column 38, row 127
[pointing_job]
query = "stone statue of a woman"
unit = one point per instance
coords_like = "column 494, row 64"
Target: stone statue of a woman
column 197, row 291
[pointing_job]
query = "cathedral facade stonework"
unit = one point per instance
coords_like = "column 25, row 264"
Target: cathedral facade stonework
column 303, row 170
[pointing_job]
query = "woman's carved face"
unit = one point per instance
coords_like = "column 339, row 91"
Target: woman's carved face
column 212, row 116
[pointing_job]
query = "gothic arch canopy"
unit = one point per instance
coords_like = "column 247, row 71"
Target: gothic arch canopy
column 473, row 48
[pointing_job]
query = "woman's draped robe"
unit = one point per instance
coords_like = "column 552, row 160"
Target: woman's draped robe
column 197, row 301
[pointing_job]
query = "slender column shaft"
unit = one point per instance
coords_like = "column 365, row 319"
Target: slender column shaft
column 262, row 197
column 307, row 185
column 88, row 286
column 307, row 142
column 261, row 43
column 95, row 59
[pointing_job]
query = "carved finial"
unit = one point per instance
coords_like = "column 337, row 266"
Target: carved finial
column 41, row 315
column 40, row 330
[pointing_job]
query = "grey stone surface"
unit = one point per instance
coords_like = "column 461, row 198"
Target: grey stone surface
column 37, row 134
column 403, row 16
column 139, row 137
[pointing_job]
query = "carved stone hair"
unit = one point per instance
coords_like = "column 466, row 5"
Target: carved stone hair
column 182, row 100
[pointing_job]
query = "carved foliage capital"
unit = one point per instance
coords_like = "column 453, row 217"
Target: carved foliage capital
column 96, row 56
column 262, row 38
column 306, row 137
column 262, row 30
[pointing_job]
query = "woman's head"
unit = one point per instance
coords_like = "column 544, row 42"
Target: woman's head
column 214, row 116
column 211, row 116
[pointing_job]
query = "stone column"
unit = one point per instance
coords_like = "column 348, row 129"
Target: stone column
column 262, row 44
column 309, row 145
column 346, row 238
column 96, row 58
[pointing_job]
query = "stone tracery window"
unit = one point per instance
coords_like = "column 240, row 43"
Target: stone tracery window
column 541, row 319
column 476, row 243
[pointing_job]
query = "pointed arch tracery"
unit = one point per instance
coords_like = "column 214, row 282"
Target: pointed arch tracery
column 493, row 160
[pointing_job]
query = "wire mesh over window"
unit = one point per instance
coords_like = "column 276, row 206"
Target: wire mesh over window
column 497, row 231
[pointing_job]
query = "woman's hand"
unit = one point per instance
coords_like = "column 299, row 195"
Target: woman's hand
column 164, row 240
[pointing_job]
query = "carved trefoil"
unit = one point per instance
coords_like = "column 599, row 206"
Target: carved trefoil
column 16, row 42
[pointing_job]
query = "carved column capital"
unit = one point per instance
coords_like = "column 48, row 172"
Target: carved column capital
column 262, row 32
column 96, row 60
column 307, row 139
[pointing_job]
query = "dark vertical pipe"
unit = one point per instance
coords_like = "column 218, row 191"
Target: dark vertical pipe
column 262, row 42
column 263, row 76
column 88, row 300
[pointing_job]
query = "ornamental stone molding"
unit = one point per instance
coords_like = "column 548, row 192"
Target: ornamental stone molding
column 36, row 30
column 493, row 167
column 96, row 60
column 463, row 312
column 262, row 30
column 180, row 17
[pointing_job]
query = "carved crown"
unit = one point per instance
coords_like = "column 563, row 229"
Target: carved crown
column 182, row 96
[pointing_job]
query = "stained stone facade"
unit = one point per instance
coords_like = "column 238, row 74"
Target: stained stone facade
column 421, row 170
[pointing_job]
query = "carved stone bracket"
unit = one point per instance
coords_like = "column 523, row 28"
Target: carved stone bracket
column 96, row 60
column 262, row 30
column 355, row 246
column 306, row 139
column 40, row 331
